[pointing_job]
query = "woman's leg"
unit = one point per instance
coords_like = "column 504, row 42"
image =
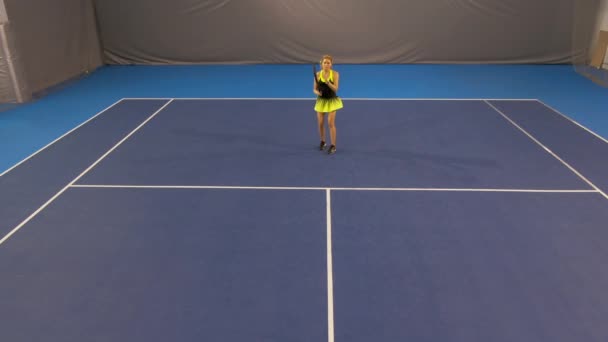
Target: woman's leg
column 321, row 128
column 331, row 121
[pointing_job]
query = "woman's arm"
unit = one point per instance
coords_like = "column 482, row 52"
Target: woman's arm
column 336, row 83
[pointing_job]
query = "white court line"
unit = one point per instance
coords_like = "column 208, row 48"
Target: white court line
column 330, row 272
column 54, row 141
column 312, row 98
column 80, row 176
column 548, row 150
column 120, row 186
column 574, row 122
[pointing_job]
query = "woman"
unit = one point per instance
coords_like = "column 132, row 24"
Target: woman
column 328, row 101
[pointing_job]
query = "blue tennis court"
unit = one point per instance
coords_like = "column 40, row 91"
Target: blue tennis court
column 220, row 220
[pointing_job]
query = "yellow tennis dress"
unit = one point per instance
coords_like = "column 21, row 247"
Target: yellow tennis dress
column 328, row 105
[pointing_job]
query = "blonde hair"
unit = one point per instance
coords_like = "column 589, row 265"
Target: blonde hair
column 327, row 57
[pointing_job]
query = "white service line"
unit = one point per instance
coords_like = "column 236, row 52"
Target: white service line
column 121, row 186
column 330, row 272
